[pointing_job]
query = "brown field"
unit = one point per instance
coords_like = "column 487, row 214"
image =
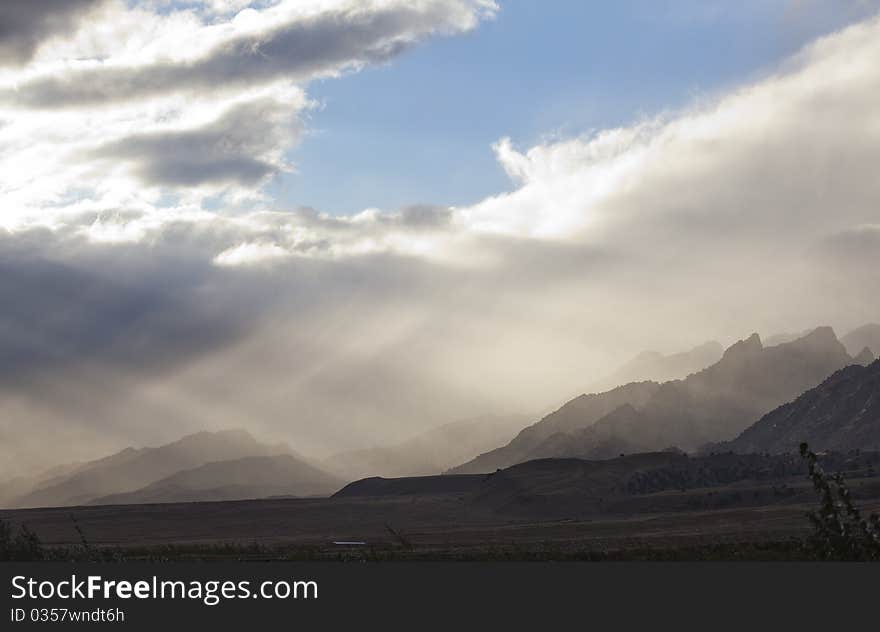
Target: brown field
column 440, row 525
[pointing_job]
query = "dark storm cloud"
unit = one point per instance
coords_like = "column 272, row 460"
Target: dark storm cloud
column 113, row 306
column 25, row 24
column 237, row 148
column 142, row 308
column 296, row 51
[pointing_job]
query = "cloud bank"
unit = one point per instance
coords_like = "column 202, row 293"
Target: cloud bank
column 140, row 310
column 146, row 100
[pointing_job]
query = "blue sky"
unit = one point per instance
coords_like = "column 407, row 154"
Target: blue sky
column 420, row 129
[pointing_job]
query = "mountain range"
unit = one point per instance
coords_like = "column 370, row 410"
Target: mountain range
column 719, row 401
column 754, row 398
column 176, row 470
column 236, row 479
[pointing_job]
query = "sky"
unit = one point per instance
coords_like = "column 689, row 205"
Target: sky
column 337, row 223
column 537, row 70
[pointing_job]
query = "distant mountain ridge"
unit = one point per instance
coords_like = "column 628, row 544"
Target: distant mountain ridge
column 783, row 338
column 842, row 413
column 134, row 468
column 719, row 401
column 865, row 336
column 657, row 367
column 235, row 479
column 22, row 485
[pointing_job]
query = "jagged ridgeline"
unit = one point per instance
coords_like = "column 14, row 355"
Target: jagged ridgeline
column 711, row 405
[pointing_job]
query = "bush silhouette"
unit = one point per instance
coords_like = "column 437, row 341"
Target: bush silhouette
column 840, row 531
column 23, row 546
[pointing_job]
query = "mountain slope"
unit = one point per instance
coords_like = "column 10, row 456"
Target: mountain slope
column 656, row 367
column 842, row 413
column 429, row 453
column 578, row 413
column 133, row 468
column 412, row 486
column 237, row 479
column 708, row 406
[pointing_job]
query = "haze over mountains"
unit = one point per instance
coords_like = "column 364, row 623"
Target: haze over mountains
column 431, row 452
column 719, row 401
column 842, row 413
column 235, row 479
column 754, row 398
column 657, row 367
column 866, row 336
column 212, row 464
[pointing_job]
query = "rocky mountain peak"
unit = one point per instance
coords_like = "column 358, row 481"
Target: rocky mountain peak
column 750, row 346
column 820, row 339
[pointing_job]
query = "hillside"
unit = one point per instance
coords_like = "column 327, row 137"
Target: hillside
column 132, row 468
column 575, row 414
column 549, row 487
column 413, row 485
column 842, row 413
column 249, row 477
column 669, row 480
column 711, row 405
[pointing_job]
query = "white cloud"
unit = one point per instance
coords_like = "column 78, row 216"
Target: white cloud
column 141, row 109
column 251, row 254
column 786, row 152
